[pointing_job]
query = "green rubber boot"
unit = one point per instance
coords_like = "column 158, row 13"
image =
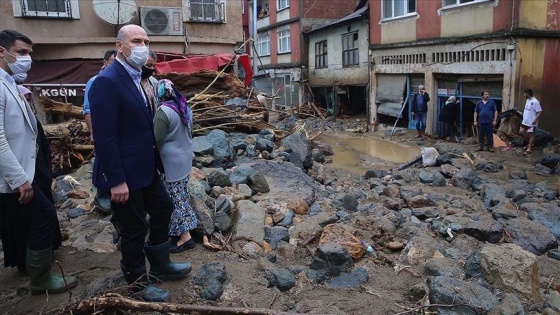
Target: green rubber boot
column 39, row 269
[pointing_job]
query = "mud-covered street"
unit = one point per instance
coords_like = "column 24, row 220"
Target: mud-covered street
column 337, row 225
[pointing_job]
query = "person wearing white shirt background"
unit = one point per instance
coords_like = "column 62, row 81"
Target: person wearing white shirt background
column 531, row 115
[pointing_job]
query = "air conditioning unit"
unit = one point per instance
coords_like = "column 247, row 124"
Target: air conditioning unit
column 162, row 21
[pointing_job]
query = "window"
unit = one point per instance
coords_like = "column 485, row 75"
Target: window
column 321, row 54
column 350, row 54
column 263, row 44
column 64, row 9
column 396, row 8
column 282, row 4
column 458, row 2
column 206, row 10
column 284, row 39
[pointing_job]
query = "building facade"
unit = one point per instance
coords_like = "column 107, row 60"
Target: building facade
column 338, row 63
column 71, row 36
column 462, row 47
column 280, row 50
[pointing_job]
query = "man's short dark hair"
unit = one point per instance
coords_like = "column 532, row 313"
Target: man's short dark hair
column 8, row 38
column 109, row 53
column 529, row 92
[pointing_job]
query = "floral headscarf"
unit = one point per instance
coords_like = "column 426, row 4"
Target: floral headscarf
column 168, row 95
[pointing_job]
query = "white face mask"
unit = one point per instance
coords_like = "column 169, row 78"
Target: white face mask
column 21, row 65
column 20, row 77
column 138, row 56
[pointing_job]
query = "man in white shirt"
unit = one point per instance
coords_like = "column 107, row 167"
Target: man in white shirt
column 531, row 116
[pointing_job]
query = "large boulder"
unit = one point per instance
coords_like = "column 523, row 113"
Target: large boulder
column 468, row 298
column 512, row 268
column 299, row 148
column 530, row 235
column 464, row 178
column 223, row 153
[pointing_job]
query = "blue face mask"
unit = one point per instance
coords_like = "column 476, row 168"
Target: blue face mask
column 20, row 77
column 21, row 65
column 138, row 56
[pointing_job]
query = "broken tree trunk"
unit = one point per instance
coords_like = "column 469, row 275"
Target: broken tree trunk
column 55, row 107
column 113, row 300
column 61, row 129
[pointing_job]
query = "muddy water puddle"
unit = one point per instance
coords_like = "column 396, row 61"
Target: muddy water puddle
column 358, row 153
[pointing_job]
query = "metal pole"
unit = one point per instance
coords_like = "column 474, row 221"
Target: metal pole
column 254, row 35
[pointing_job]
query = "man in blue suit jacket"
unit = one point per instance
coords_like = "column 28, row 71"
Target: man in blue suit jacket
column 126, row 165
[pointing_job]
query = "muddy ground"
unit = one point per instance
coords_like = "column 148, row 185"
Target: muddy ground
column 386, row 292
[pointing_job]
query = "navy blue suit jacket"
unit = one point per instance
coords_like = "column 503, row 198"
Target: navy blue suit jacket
column 125, row 145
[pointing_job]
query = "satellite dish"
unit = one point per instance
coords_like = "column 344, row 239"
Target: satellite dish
column 115, row 12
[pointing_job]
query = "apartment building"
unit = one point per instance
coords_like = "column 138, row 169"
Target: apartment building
column 71, row 36
column 280, row 49
column 461, row 47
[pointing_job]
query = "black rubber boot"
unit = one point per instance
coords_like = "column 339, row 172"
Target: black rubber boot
column 141, row 287
column 161, row 267
column 39, row 269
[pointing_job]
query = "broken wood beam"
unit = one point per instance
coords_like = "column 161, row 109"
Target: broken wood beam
column 112, row 300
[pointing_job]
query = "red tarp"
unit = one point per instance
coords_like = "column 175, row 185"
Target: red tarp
column 214, row 62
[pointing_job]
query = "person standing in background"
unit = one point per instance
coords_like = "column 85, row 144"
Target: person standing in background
column 531, row 115
column 486, row 118
column 420, row 110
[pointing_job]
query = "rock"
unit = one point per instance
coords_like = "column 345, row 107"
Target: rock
column 352, row 279
column 63, row 186
column 394, row 246
column 331, row 259
column 204, row 214
column 281, row 278
column 240, row 174
column 350, row 202
column 251, row 151
column 464, row 178
column 250, row 220
column 473, row 266
column 375, row 174
column 490, row 167
column 205, row 160
column 99, row 286
column 448, row 170
column 318, row 172
column 74, row 213
column 336, row 233
column 299, row 148
column 438, row 180
column 222, row 221
column 275, row 234
column 288, row 219
column 425, row 213
column 518, row 174
column 392, row 191
column 223, row 153
column 554, row 253
column 550, row 160
column 451, row 291
column 530, row 235
column 217, row 177
column 552, row 301
column 426, row 177
column 318, row 156
column 443, row 267
column 420, row 201
column 198, row 191
column 223, row 203
column 503, row 212
column 212, row 290
column 407, row 193
column 252, row 250
column 259, row 183
column 509, row 305
column 298, row 206
column 512, row 268
column 267, row 133
column 314, row 209
column 245, row 190
column 394, row 203
column 542, row 170
column 420, row 249
column 546, row 214
column 484, row 229
column 201, row 146
column 212, row 270
column 264, row 145
column 518, row 195
column 77, row 194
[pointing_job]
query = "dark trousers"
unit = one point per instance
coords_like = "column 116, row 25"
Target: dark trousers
column 131, row 217
column 446, row 129
column 26, row 226
column 486, row 131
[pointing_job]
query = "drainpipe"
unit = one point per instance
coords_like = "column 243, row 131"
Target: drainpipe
column 254, row 36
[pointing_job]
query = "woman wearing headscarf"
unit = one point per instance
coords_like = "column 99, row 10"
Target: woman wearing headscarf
column 447, row 117
column 173, row 132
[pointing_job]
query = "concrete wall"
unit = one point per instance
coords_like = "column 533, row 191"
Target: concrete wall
column 89, row 36
column 335, row 73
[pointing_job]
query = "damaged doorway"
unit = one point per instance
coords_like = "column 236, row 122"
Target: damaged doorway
column 349, row 100
column 468, row 90
column 394, row 98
